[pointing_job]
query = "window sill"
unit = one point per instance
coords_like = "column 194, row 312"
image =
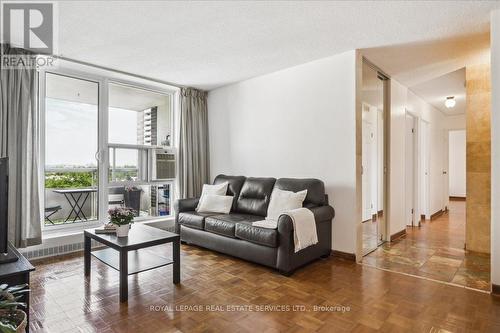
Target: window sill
column 68, row 230
column 74, row 230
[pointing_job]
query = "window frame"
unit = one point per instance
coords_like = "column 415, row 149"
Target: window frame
column 104, row 78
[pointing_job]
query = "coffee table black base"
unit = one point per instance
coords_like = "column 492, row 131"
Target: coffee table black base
column 130, row 255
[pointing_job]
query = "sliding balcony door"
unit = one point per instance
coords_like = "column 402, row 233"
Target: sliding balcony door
column 70, row 119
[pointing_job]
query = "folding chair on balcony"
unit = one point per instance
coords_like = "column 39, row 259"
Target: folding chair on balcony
column 49, row 211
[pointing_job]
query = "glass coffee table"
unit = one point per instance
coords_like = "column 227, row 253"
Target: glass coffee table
column 129, row 255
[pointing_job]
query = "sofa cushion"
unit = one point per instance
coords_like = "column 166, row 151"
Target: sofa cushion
column 220, row 204
column 257, row 235
column 315, row 189
column 254, row 196
column 283, row 201
column 225, row 224
column 234, row 185
column 216, row 189
column 194, row 219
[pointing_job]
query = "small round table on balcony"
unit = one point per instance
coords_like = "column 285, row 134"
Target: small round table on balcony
column 76, row 197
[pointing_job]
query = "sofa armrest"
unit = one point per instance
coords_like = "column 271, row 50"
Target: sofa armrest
column 287, row 259
column 323, row 213
column 184, row 205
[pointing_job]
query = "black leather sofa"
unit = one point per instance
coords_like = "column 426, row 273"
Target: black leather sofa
column 234, row 234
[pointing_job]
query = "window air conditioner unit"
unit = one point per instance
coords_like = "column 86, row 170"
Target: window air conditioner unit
column 163, row 165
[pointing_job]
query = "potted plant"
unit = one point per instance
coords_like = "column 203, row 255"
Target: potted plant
column 132, row 198
column 121, row 217
column 12, row 319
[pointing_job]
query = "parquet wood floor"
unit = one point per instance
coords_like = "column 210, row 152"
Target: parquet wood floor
column 374, row 300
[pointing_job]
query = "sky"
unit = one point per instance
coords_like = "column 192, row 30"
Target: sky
column 71, row 133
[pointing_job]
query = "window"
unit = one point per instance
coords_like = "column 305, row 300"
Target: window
column 140, row 131
column 102, row 153
column 127, row 164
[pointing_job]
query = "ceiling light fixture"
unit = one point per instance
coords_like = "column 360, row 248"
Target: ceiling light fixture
column 450, row 102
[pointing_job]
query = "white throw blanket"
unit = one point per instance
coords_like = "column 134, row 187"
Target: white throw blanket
column 304, row 227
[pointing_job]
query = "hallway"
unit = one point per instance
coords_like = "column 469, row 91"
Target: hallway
column 436, row 251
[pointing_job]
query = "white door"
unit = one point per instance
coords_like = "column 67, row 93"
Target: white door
column 456, row 163
column 446, row 179
column 409, row 169
column 366, row 176
column 425, row 176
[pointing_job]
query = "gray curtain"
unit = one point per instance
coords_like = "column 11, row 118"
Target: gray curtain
column 193, row 143
column 19, row 136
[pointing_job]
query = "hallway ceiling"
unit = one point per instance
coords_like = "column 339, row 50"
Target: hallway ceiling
column 210, row 44
column 436, row 90
column 416, row 63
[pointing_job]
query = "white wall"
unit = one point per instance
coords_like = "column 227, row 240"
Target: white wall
column 456, row 122
column 457, row 163
column 297, row 122
column 495, row 147
column 164, row 122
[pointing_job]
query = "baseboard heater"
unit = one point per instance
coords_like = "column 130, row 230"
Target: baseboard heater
column 56, row 250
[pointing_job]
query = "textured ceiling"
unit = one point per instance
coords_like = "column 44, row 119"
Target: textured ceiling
column 210, row 44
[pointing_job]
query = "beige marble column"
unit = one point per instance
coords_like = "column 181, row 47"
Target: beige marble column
column 478, row 112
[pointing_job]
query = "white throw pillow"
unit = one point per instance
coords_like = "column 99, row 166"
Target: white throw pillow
column 215, row 204
column 284, row 201
column 218, row 189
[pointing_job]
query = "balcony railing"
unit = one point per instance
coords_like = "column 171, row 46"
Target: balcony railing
column 60, row 208
column 71, row 194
